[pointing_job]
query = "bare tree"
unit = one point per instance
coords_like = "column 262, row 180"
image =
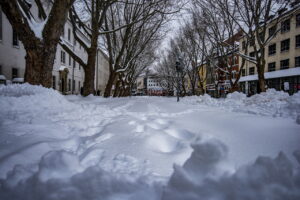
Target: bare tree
column 253, row 18
column 88, row 16
column 39, row 34
column 141, row 20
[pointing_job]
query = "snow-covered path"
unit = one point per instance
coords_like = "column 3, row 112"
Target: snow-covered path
column 159, row 130
column 132, row 137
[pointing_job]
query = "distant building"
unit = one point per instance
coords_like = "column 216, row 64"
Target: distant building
column 153, row 86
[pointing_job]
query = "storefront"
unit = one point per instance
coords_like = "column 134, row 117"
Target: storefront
column 284, row 80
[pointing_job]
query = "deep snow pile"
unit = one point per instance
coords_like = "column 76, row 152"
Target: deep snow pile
column 271, row 103
column 200, row 178
column 94, row 148
column 60, row 177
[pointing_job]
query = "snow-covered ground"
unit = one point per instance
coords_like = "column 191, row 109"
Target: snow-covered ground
column 69, row 147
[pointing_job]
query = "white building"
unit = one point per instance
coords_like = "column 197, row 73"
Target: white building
column 68, row 75
column 153, row 86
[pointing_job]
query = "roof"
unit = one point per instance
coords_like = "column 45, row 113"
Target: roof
column 275, row 74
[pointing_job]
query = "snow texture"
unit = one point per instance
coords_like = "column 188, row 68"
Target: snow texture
column 69, row 147
column 271, row 103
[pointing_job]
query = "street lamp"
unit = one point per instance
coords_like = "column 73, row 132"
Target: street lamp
column 178, row 66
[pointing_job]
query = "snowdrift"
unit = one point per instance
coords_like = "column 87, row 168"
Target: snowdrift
column 271, row 103
column 60, row 177
column 199, row 178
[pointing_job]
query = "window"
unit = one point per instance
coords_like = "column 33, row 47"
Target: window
column 251, row 71
column 69, row 34
column 285, row 26
column 272, row 49
column 62, row 57
column 298, row 41
column 0, row 24
column 15, row 38
column 285, row 45
column 70, row 60
column 74, row 64
column 243, row 72
column 79, row 66
column 63, row 32
column 79, row 87
column 297, row 61
column 54, row 82
column 14, row 73
column 297, row 20
column 0, row 69
column 252, row 54
column 284, row 64
column 272, row 30
column 69, row 85
column 271, row 66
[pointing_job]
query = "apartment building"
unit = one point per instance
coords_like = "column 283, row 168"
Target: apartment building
column 282, row 69
column 153, row 86
column 67, row 74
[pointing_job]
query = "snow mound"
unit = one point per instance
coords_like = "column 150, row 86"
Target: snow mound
column 18, row 90
column 19, row 99
column 59, row 177
column 271, row 103
column 266, row 178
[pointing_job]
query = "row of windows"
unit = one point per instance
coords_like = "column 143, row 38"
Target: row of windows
column 154, row 84
column 284, row 64
column 285, row 27
column 285, row 46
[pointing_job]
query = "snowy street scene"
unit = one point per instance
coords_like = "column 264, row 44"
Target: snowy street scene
column 149, row 100
column 128, row 148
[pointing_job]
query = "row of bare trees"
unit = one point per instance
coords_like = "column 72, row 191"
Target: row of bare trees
column 127, row 30
column 210, row 37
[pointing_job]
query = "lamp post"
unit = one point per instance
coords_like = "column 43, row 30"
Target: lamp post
column 178, row 65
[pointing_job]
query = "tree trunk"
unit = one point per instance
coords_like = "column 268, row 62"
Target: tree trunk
column 110, row 82
column 261, row 76
column 40, row 53
column 89, row 72
column 117, row 89
column 34, row 62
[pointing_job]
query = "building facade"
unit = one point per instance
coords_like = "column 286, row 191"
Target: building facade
column 153, row 86
column 282, row 55
column 67, row 74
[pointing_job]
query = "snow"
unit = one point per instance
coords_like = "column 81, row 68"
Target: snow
column 2, row 77
column 69, row 147
column 18, row 80
column 275, row 74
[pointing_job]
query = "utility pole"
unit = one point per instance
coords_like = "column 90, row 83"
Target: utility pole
column 178, row 66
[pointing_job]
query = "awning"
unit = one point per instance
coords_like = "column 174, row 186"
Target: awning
column 276, row 74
